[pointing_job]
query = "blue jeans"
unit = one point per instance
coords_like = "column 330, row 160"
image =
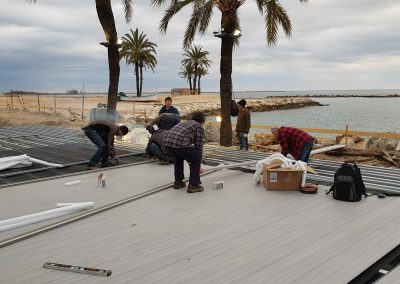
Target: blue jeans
column 243, row 141
column 193, row 157
column 156, row 151
column 102, row 151
column 305, row 153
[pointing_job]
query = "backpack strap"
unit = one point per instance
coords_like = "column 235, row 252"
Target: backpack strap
column 330, row 190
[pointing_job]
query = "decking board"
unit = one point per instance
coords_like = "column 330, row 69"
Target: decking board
column 240, row 234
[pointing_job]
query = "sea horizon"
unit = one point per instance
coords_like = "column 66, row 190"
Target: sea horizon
column 241, row 94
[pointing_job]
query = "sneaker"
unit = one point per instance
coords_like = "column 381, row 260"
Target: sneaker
column 195, row 188
column 90, row 167
column 179, row 184
column 162, row 162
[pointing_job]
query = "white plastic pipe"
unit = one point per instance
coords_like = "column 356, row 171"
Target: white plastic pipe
column 45, row 163
column 7, row 165
column 14, row 158
column 41, row 216
column 23, row 161
column 72, row 183
column 223, row 166
column 91, row 204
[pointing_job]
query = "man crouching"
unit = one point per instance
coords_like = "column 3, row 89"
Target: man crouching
column 185, row 142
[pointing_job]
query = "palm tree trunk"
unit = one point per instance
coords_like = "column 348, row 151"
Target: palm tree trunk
column 226, row 82
column 137, row 80
column 199, row 89
column 106, row 18
column 190, row 84
column 141, row 80
column 195, row 80
column 114, row 70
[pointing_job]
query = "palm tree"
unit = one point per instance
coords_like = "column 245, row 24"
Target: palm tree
column 187, row 73
column 197, row 58
column 274, row 14
column 106, row 18
column 138, row 50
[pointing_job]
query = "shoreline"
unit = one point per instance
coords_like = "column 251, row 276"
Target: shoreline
column 146, row 96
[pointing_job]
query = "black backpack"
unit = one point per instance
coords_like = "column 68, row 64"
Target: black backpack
column 234, row 108
column 348, row 184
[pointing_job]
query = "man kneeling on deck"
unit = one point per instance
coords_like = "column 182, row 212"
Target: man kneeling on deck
column 294, row 141
column 154, row 148
column 101, row 133
column 185, row 142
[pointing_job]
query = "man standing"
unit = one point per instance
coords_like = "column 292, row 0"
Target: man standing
column 185, row 142
column 101, row 133
column 243, row 125
column 168, row 108
column 294, row 141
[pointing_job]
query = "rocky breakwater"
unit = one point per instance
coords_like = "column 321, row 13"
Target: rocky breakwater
column 213, row 106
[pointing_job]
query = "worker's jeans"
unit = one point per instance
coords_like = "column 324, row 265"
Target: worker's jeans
column 101, row 153
column 160, row 154
column 193, row 157
column 243, row 141
column 305, row 153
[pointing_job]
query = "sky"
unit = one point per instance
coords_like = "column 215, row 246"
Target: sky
column 53, row 46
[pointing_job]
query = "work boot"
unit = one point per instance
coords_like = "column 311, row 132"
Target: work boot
column 195, row 188
column 179, row 184
column 90, row 167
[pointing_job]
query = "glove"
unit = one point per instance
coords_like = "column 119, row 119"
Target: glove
column 245, row 135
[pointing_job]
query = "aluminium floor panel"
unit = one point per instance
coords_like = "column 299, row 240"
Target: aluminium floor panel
column 55, row 145
column 240, row 234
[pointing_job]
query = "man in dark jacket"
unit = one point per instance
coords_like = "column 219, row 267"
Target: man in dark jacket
column 154, row 148
column 185, row 142
column 168, row 108
column 101, row 133
column 163, row 121
column 243, row 125
column 294, row 141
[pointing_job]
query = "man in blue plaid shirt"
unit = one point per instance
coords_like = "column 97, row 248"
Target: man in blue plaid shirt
column 185, row 142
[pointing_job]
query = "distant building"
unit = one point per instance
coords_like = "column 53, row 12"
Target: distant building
column 180, row 92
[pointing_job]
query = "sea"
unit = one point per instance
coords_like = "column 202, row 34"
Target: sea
column 361, row 110
column 375, row 110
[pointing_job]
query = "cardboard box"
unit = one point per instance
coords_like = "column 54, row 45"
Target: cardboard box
column 282, row 179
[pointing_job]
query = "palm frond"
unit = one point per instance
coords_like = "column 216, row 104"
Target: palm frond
column 275, row 14
column 127, row 5
column 173, row 9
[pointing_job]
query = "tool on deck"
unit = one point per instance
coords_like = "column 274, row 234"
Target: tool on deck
column 101, row 180
column 77, row 269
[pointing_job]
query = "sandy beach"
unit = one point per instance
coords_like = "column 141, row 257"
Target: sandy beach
column 53, row 109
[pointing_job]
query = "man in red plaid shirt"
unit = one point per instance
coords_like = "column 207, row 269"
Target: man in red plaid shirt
column 294, row 141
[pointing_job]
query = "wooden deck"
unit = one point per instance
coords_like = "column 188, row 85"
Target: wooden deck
column 240, row 234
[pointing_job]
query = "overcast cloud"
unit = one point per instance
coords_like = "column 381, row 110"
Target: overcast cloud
column 53, row 46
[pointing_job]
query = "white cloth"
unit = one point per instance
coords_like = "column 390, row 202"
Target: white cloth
column 286, row 164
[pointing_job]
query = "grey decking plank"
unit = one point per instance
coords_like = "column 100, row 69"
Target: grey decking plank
column 239, row 234
column 36, row 197
column 392, row 277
